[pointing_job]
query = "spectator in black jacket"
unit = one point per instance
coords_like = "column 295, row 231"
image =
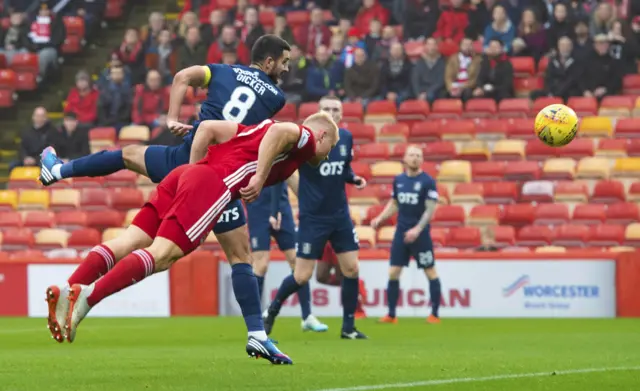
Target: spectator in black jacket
column 583, row 45
column 623, row 46
column 561, row 25
column 495, row 79
column 373, row 37
column 420, row 18
column 479, row 17
column 395, row 76
column 428, row 75
column 563, row 74
column 115, row 102
column 34, row 138
column 15, row 38
column 603, row 74
column 293, row 82
column 193, row 51
column 70, row 140
column 47, row 36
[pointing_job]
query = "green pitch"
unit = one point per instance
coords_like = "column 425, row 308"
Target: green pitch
column 208, row 354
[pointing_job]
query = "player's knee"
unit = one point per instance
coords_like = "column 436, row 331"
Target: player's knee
column 165, row 253
column 431, row 273
column 350, row 269
column 133, row 156
column 260, row 262
column 303, row 271
column 394, row 273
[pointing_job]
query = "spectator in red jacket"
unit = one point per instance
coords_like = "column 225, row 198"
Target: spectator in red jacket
column 452, row 22
column 83, row 100
column 151, row 102
column 228, row 41
column 314, row 35
column 370, row 10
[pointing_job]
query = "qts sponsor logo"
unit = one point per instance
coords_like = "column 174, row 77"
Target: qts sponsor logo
column 458, row 298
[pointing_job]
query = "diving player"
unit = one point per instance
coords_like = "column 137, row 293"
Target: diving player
column 280, row 226
column 414, row 198
column 324, row 216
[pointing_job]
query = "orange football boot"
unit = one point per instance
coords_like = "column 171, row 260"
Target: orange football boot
column 432, row 319
column 388, row 319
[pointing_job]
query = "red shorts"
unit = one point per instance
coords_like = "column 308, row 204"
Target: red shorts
column 186, row 206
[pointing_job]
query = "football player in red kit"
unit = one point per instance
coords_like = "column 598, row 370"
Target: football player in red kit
column 189, row 202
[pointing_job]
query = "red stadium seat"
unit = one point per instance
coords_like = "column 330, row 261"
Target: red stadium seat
column 104, row 219
column 425, row 131
column 372, row 152
column 439, row 237
column 362, row 133
column 622, row 213
column 88, row 182
column 537, row 150
column 443, row 194
column 487, row 171
column 448, row 47
column 571, row 191
column 393, row 133
column 458, row 130
column 14, row 239
column 518, row 215
column 267, row 18
column 578, row 148
column 627, row 128
column 583, row 106
column 374, row 211
column 606, row 235
column 413, row 49
column 500, row 193
column 361, row 169
column 504, row 236
column 542, row 65
column 477, row 108
column 7, row 79
column 413, row 110
column 114, row 10
column 103, row 134
column 617, row 102
column 514, row 107
column 543, row 102
column 71, row 219
column 589, row 214
column 125, row 199
column 524, row 86
column 94, row 199
column 439, row 151
column 6, row 98
column 398, row 150
column 631, row 84
column 3, row 60
column 306, row 109
column 297, row 18
column 608, row 192
column 493, row 128
column 381, row 107
column 446, row 108
column 523, row 66
column 534, row 235
column 571, row 235
column 611, row 147
column 551, row 214
column 38, row 219
column 484, row 215
column 10, row 220
column 26, row 67
column 430, row 168
column 633, row 147
column 288, row 113
column 84, row 239
column 464, row 237
column 448, row 216
column 521, row 128
column 522, row 171
column 352, row 112
column 468, row 193
column 122, row 178
column 634, row 192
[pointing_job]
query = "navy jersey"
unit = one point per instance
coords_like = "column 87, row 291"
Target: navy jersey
column 411, row 193
column 240, row 94
column 263, row 205
column 321, row 191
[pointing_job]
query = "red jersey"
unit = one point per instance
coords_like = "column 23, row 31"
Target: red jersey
column 236, row 160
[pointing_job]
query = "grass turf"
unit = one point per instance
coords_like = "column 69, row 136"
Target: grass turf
column 208, row 354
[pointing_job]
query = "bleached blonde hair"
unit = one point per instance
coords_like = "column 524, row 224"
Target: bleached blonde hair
column 322, row 120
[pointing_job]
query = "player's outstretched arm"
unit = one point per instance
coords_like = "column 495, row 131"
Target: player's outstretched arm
column 389, row 210
column 278, row 139
column 195, row 76
column 211, row 132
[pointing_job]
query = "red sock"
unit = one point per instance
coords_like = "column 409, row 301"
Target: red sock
column 97, row 263
column 132, row 269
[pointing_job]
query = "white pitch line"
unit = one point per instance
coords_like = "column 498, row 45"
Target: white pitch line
column 438, row 382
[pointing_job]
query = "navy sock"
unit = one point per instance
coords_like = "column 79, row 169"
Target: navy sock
column 393, row 292
column 435, row 291
column 97, row 164
column 349, row 302
column 304, row 296
column 288, row 287
column 245, row 287
column 260, row 285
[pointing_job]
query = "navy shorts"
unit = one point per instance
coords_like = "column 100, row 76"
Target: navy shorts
column 260, row 230
column 314, row 233
column 421, row 250
column 160, row 160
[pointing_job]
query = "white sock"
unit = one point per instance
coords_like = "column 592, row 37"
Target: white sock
column 259, row 335
column 55, row 171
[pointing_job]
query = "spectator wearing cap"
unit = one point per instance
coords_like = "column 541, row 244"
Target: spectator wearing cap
column 70, row 139
column 151, row 102
column 603, row 74
column 15, row 38
column 82, row 100
column 395, row 76
column 561, row 26
column 228, row 41
column 293, row 82
column 500, row 28
column 371, row 9
column 623, row 46
column 428, row 74
column 47, row 36
column 321, row 75
column 193, row 51
column 315, row 34
column 461, row 72
column 419, row 17
column 583, row 45
column 131, row 52
column 362, row 80
column 34, row 138
column 281, row 28
column 210, row 32
column 495, row 79
column 453, row 22
column 353, row 42
column 114, row 104
column 564, row 73
column 252, row 29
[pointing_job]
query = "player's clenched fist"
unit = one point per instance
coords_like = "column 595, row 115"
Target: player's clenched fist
column 178, row 128
column 375, row 223
column 251, row 192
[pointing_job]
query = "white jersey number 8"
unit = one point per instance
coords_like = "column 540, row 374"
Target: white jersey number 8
column 242, row 99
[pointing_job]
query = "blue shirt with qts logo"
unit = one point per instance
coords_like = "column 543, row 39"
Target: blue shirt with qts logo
column 411, row 193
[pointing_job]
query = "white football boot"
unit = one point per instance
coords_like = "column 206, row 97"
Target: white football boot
column 313, row 324
column 78, row 309
column 58, row 307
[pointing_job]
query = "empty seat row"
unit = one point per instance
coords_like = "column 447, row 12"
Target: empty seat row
column 62, row 199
